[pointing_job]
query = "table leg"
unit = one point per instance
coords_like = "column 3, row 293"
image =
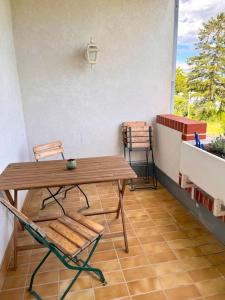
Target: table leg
column 15, row 233
column 9, row 196
column 13, row 201
column 121, row 189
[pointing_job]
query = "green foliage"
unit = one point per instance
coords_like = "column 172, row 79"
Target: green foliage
column 207, row 69
column 180, row 98
column 180, row 106
column 181, row 82
column 214, row 128
column 218, row 145
column 204, row 111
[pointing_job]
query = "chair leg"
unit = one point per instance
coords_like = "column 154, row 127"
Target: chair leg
column 53, row 196
column 84, row 267
column 35, row 294
column 43, row 205
column 82, row 192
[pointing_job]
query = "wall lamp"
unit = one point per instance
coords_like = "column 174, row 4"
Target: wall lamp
column 91, row 52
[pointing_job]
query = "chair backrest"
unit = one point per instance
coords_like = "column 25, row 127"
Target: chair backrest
column 49, row 149
column 137, row 134
column 134, row 124
column 21, row 217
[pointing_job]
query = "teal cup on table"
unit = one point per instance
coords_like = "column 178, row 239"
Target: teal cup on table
column 71, row 164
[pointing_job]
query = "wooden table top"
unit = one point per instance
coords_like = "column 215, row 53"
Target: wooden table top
column 53, row 173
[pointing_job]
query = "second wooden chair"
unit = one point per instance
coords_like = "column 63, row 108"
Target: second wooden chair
column 49, row 150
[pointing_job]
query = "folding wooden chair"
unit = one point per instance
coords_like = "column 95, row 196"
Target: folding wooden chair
column 48, row 150
column 137, row 137
column 67, row 237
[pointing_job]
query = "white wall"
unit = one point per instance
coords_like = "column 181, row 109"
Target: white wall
column 12, row 130
column 64, row 99
column 168, row 149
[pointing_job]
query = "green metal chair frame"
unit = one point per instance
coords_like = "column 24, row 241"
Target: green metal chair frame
column 72, row 263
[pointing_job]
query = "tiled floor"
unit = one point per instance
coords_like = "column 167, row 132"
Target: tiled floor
column 171, row 257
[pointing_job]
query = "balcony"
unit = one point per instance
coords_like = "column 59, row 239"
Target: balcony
column 48, row 91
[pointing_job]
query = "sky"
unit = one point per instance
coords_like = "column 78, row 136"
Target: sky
column 192, row 14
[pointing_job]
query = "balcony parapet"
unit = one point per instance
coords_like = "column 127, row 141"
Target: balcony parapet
column 197, row 171
column 184, row 125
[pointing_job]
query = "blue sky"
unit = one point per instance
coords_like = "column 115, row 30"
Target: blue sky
column 192, row 13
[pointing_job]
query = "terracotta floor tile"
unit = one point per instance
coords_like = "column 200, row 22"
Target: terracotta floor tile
column 143, row 286
column 212, row 286
column 154, row 238
column 195, row 263
column 132, row 241
column 15, row 294
column 48, row 265
column 167, row 228
column 66, row 274
column 111, row 278
column 105, row 246
column 190, row 224
column 197, row 232
column 133, row 251
column 21, row 270
column 14, row 282
column 104, row 256
column 154, row 248
column 217, row 259
column 174, row 235
column 133, row 261
column 162, row 257
column 111, row 292
column 188, row 252
column 46, row 277
column 164, row 222
column 81, row 295
column 150, row 296
column 160, row 215
column 175, row 279
column 81, row 283
column 111, row 265
column 141, row 233
column 204, row 274
column 142, row 224
column 183, row 293
column 202, row 240
column 138, row 273
column 221, row 268
column 44, row 290
column 215, row 297
column 168, row 267
column 211, row 248
column 180, row 244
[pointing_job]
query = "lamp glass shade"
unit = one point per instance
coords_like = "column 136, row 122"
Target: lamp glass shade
column 92, row 53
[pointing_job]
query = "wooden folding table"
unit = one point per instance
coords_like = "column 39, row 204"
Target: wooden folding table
column 35, row 175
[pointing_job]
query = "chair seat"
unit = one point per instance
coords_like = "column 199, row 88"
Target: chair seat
column 72, row 233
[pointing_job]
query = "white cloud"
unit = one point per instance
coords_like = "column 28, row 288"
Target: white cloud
column 184, row 66
column 192, row 13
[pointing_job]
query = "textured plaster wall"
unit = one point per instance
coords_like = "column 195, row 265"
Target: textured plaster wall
column 62, row 97
column 12, row 130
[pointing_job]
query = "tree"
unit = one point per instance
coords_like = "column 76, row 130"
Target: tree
column 181, row 82
column 180, row 106
column 180, row 98
column 207, row 69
